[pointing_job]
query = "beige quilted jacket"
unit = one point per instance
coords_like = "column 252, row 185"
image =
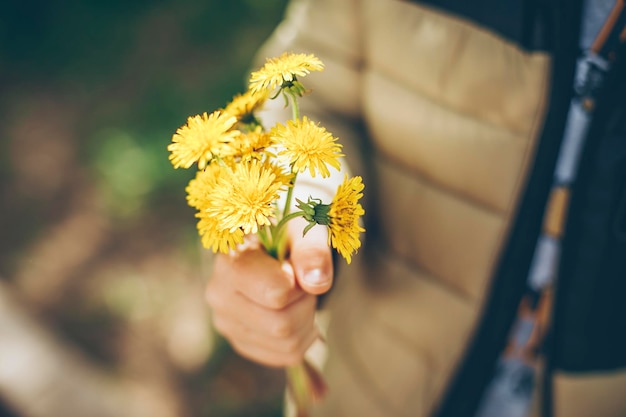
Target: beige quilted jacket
column 441, row 118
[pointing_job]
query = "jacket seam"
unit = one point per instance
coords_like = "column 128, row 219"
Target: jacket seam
column 429, row 182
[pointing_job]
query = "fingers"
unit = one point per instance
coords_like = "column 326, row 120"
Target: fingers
column 258, row 277
column 272, row 338
column 270, row 357
column 311, row 257
column 259, row 308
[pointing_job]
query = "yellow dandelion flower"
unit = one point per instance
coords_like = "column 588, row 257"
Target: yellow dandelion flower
column 252, row 145
column 243, row 106
column 307, row 145
column 203, row 138
column 199, row 189
column 244, row 197
column 216, row 238
column 282, row 176
column 344, row 214
column 283, row 69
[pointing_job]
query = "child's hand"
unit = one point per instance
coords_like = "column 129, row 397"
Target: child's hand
column 266, row 310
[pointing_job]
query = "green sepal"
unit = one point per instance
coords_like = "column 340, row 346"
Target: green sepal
column 308, row 227
column 315, row 211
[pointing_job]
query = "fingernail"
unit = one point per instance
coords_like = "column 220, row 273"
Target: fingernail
column 315, row 278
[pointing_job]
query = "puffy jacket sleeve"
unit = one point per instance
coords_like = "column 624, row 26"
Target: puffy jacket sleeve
column 330, row 30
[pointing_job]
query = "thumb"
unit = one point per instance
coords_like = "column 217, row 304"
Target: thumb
column 311, row 257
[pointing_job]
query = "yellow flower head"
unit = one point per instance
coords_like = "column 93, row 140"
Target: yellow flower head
column 216, row 238
column 344, row 214
column 282, row 176
column 202, row 185
column 243, row 106
column 252, row 145
column 244, row 197
column 306, row 145
column 283, row 69
column 201, row 139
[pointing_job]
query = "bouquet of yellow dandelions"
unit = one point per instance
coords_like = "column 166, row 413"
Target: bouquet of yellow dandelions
column 244, row 170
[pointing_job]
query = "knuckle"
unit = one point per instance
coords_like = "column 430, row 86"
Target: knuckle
column 293, row 345
column 276, row 298
column 283, row 328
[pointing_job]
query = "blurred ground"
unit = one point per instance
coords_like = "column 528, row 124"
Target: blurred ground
column 101, row 304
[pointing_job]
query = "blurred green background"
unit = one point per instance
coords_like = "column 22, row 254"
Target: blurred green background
column 100, row 266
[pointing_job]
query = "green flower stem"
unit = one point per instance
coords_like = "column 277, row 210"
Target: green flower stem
column 289, row 196
column 277, row 231
column 278, row 228
column 306, row 386
column 296, row 115
column 299, row 389
column 266, row 241
column 295, row 108
column 275, row 244
column 280, row 243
